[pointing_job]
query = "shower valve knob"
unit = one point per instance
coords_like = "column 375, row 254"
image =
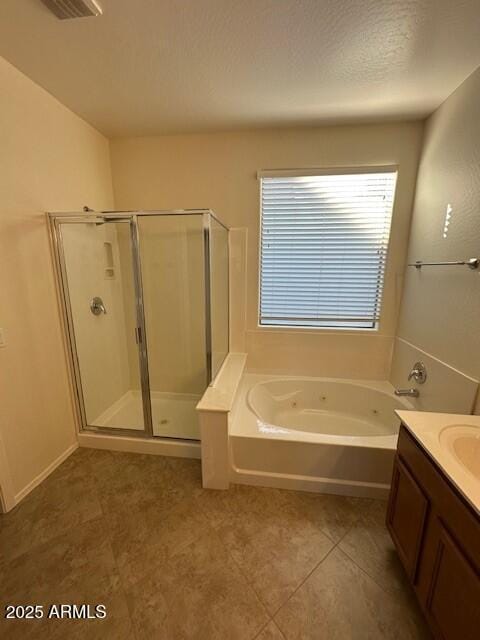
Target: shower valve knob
column 418, row 373
column 97, row 307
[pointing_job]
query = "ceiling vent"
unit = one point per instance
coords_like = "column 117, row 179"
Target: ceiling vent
column 68, row 9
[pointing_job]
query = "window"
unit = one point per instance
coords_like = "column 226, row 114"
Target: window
column 324, row 241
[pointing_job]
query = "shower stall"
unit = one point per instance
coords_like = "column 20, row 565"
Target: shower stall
column 145, row 303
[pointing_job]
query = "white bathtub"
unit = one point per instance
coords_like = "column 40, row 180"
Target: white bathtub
column 317, row 434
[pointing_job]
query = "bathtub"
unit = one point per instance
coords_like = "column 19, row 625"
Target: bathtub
column 316, row 434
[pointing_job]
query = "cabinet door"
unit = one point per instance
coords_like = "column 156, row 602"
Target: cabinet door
column 454, row 595
column 406, row 516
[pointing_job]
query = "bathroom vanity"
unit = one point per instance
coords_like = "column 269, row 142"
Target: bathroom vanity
column 434, row 518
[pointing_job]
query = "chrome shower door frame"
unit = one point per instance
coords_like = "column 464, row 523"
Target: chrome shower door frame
column 55, row 221
column 207, row 243
column 141, row 330
column 208, row 296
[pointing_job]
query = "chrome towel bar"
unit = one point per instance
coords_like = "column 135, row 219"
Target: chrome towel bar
column 471, row 263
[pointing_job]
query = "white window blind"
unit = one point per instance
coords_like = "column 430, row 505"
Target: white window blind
column 324, row 241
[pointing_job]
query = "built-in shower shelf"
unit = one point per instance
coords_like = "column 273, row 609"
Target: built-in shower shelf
column 109, row 264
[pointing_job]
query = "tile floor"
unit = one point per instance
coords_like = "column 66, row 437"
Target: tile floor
column 172, row 561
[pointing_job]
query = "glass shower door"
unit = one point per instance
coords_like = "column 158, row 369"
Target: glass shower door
column 172, row 255
column 101, row 289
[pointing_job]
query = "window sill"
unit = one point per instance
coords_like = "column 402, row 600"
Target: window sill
column 296, row 329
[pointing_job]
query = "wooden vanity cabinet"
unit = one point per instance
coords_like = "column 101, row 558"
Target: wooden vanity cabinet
column 437, row 536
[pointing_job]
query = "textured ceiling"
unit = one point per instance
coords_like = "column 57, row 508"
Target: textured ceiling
column 160, row 66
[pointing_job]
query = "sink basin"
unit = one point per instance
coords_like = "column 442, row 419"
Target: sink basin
column 463, row 443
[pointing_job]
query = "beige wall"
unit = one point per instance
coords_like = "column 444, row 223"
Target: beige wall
column 49, row 160
column 441, row 305
column 219, row 171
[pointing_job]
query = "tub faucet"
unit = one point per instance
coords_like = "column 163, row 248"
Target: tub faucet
column 412, row 393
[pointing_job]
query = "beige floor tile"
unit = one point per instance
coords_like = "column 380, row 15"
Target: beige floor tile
column 271, row 632
column 129, row 481
column 198, row 594
column 275, row 549
column 368, row 543
column 215, row 504
column 339, row 601
column 125, row 481
column 139, row 534
column 63, row 502
column 244, row 499
column 80, row 563
column 145, row 539
column 334, row 515
column 116, row 626
column 76, row 568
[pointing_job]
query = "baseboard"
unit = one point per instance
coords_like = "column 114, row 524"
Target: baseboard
column 7, row 496
column 45, row 473
column 307, row 483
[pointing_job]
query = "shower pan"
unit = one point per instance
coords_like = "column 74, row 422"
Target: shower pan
column 145, row 302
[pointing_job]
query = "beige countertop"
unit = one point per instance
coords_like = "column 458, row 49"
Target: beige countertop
column 447, row 437
column 220, row 395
